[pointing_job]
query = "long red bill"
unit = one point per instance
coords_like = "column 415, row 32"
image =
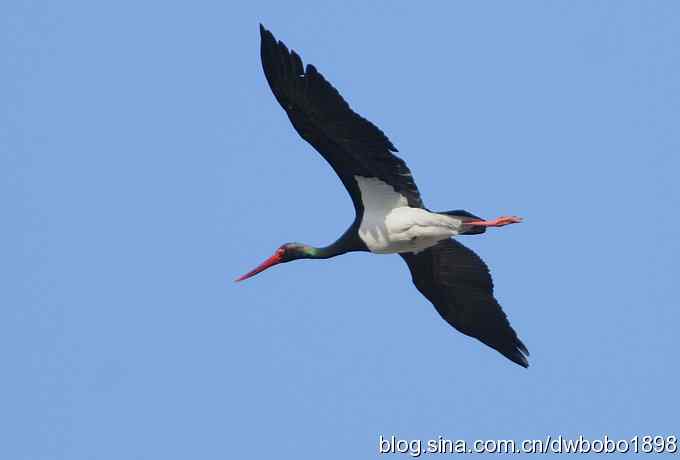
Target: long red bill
column 273, row 260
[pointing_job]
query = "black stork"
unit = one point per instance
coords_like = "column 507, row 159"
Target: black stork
column 390, row 215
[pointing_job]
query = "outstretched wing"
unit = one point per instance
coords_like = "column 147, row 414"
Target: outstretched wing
column 351, row 144
column 459, row 285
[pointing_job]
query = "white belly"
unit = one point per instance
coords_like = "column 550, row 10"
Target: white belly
column 389, row 225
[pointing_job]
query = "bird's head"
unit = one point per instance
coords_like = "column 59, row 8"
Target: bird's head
column 285, row 253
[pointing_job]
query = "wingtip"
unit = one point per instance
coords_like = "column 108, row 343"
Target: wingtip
column 522, row 347
column 518, row 354
column 525, row 362
column 265, row 33
column 520, row 357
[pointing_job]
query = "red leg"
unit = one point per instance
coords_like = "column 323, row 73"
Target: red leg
column 499, row 222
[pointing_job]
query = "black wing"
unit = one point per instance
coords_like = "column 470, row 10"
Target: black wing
column 459, row 285
column 351, row 144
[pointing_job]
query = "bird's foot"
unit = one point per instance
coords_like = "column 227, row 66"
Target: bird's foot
column 498, row 222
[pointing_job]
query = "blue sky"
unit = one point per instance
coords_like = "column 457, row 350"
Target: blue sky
column 145, row 164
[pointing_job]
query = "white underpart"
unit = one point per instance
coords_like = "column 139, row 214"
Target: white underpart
column 389, row 225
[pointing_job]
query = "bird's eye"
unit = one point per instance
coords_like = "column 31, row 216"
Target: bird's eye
column 280, row 252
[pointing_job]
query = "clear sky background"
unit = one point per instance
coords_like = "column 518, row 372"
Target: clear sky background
column 144, row 164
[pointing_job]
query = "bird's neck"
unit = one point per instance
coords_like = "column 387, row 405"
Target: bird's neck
column 348, row 242
column 326, row 252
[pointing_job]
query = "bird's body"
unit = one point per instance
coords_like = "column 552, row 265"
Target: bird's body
column 407, row 229
column 389, row 225
column 390, row 215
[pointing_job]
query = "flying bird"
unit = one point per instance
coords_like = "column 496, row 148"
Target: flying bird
column 390, row 215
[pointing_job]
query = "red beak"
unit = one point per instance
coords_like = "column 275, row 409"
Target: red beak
column 273, row 260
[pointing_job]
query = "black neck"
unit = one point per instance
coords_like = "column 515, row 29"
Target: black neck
column 348, row 242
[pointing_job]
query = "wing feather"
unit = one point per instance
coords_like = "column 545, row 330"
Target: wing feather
column 352, row 145
column 459, row 285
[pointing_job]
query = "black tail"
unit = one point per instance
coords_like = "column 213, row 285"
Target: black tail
column 465, row 217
